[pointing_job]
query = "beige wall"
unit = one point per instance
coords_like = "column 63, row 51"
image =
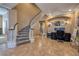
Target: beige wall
column 73, row 22
column 12, row 18
column 70, row 27
column 25, row 12
column 0, row 21
column 37, row 25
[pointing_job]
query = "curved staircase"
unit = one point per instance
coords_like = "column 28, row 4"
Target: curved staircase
column 23, row 36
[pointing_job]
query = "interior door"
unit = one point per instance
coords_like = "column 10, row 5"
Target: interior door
column 0, row 25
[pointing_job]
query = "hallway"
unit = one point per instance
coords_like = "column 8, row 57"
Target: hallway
column 43, row 47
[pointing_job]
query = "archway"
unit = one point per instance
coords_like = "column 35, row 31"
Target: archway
column 4, row 22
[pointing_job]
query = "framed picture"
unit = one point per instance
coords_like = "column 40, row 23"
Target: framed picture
column 77, row 35
column 57, row 23
column 78, row 21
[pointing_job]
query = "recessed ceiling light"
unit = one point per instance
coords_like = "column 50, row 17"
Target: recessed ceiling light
column 49, row 14
column 69, row 10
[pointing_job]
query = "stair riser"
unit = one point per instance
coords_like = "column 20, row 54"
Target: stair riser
column 22, row 39
column 20, row 43
column 23, row 34
column 24, row 31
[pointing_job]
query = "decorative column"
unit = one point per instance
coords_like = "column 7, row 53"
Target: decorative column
column 76, row 18
column 12, row 32
column 31, row 36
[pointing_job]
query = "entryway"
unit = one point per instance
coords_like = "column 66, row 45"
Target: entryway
column 3, row 28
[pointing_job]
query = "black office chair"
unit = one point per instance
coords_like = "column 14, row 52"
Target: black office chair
column 67, row 37
column 49, row 35
column 53, row 35
column 60, row 35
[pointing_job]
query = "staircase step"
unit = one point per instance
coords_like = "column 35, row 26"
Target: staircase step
column 23, row 42
column 23, row 32
column 23, row 35
column 21, row 38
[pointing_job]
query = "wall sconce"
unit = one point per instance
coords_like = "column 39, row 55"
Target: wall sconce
column 49, row 24
column 67, row 22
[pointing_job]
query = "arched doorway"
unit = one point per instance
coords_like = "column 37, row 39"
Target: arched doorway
column 59, row 28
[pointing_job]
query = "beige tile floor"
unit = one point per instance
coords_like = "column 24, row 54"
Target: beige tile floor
column 42, row 47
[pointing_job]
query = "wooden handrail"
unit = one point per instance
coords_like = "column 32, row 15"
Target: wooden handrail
column 34, row 18
column 14, row 26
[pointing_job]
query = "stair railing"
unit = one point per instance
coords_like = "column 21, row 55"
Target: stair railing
column 12, row 36
column 31, row 38
column 34, row 18
column 12, row 29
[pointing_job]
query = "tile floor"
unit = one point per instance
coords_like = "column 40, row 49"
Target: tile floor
column 42, row 47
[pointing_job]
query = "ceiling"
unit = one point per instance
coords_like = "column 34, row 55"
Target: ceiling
column 3, row 11
column 8, row 5
column 5, row 6
column 56, row 8
column 47, row 8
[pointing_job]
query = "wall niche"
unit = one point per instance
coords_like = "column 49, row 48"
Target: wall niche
column 58, row 22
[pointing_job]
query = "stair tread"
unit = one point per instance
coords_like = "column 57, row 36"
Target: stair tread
column 23, row 32
column 22, row 35
column 23, row 41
